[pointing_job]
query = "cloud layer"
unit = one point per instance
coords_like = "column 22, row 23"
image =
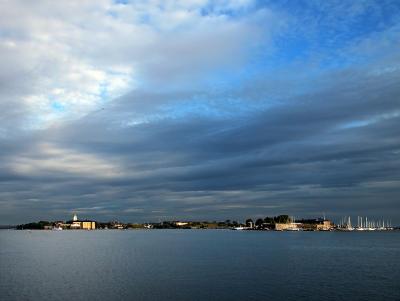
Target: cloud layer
column 199, row 110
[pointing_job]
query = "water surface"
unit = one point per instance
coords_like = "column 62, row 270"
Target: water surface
column 198, row 265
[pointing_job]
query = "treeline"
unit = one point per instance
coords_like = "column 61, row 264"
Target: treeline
column 41, row 225
column 261, row 223
column 280, row 219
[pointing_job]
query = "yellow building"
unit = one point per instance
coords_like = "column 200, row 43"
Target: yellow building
column 326, row 225
column 84, row 225
column 88, row 225
column 316, row 224
column 286, row 226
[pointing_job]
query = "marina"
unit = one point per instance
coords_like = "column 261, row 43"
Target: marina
column 365, row 224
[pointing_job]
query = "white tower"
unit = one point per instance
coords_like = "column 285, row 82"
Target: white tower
column 75, row 218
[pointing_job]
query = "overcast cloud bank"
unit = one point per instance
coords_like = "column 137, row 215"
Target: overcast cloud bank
column 199, row 110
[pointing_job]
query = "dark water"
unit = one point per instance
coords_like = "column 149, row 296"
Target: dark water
column 198, row 265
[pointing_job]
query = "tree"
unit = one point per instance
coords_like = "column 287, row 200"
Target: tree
column 269, row 220
column 249, row 222
column 259, row 222
column 282, row 219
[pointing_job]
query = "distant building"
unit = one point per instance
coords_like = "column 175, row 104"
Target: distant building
column 75, row 225
column 84, row 225
column 62, row 225
column 317, row 224
column 286, row 226
column 118, row 226
column 88, row 225
column 180, row 224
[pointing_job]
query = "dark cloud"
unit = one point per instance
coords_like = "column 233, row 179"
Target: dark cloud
column 297, row 138
column 334, row 151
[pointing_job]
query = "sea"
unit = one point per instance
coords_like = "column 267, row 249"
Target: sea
column 199, row 265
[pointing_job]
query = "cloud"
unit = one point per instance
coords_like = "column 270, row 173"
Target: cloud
column 79, row 56
column 197, row 110
column 49, row 160
column 295, row 156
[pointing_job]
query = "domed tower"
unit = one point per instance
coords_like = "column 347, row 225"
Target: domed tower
column 75, row 218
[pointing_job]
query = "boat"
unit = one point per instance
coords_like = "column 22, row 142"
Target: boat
column 292, row 229
column 239, row 228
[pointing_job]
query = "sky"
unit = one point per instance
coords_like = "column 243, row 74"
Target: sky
column 199, row 110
